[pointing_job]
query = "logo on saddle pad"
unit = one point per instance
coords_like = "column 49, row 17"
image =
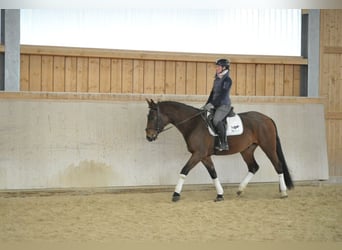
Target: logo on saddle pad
column 234, row 126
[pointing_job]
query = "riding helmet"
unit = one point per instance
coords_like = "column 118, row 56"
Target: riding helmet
column 223, row 63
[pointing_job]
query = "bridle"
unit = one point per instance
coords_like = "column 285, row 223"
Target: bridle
column 158, row 127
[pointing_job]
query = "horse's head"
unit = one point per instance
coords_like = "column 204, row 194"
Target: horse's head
column 155, row 123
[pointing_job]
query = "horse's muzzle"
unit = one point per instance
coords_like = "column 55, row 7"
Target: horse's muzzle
column 151, row 135
column 151, row 138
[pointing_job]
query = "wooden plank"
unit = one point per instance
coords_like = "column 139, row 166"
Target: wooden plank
column 116, row 76
column 201, row 76
column 279, row 80
column 270, row 80
column 339, row 79
column 324, row 71
column 190, row 81
column 149, row 77
column 331, row 128
column 336, row 29
column 82, row 74
column 251, row 80
column 337, row 98
column 288, row 80
column 180, row 78
column 338, row 148
column 296, row 80
column 156, row 55
column 47, row 73
column 332, row 50
column 260, row 70
column 35, row 73
column 331, row 79
column 159, row 83
column 233, row 76
column 105, row 75
column 116, row 73
column 24, row 72
column 70, row 74
column 329, row 137
column 58, row 73
column 138, row 76
column 127, row 76
column 334, row 115
column 211, row 76
column 170, row 77
column 241, row 79
column 334, row 147
column 94, row 75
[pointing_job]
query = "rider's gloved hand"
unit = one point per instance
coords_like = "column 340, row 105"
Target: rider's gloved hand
column 208, row 107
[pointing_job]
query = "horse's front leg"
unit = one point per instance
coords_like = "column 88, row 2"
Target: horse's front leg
column 208, row 163
column 192, row 162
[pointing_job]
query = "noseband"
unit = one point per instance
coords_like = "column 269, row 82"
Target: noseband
column 157, row 126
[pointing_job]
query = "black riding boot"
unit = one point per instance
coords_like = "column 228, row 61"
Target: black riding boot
column 221, row 131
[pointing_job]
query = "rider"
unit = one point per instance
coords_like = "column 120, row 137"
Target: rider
column 219, row 100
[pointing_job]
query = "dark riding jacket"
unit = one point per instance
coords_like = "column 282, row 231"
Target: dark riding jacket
column 220, row 93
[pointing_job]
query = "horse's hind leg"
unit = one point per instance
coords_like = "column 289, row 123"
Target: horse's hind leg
column 208, row 163
column 272, row 155
column 248, row 156
column 271, row 152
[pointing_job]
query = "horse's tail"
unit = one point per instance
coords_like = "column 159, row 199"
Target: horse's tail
column 287, row 176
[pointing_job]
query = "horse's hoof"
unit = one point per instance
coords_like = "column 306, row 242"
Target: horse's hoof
column 175, row 197
column 239, row 192
column 219, row 197
column 283, row 195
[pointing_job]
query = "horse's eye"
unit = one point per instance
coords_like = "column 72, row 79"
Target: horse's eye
column 150, row 117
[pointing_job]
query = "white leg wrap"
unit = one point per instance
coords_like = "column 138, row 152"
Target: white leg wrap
column 245, row 181
column 180, row 183
column 218, row 186
column 282, row 183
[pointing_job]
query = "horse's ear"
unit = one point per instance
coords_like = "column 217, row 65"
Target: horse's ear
column 148, row 102
column 151, row 103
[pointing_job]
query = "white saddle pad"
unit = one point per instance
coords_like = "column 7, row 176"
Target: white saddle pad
column 234, row 127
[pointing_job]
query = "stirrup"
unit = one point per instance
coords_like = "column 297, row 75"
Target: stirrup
column 221, row 147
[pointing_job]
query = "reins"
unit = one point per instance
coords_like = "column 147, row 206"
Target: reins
column 181, row 122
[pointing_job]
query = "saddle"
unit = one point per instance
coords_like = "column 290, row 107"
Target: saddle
column 233, row 120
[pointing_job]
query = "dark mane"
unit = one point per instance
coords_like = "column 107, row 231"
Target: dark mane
column 180, row 105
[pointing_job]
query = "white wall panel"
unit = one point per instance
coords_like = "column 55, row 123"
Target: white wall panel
column 62, row 144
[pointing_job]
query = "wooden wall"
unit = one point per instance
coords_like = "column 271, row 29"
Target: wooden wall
column 60, row 69
column 331, row 84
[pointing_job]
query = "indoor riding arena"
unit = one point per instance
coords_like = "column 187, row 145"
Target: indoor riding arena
column 75, row 164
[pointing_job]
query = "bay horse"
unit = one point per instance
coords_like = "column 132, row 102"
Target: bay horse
column 259, row 130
